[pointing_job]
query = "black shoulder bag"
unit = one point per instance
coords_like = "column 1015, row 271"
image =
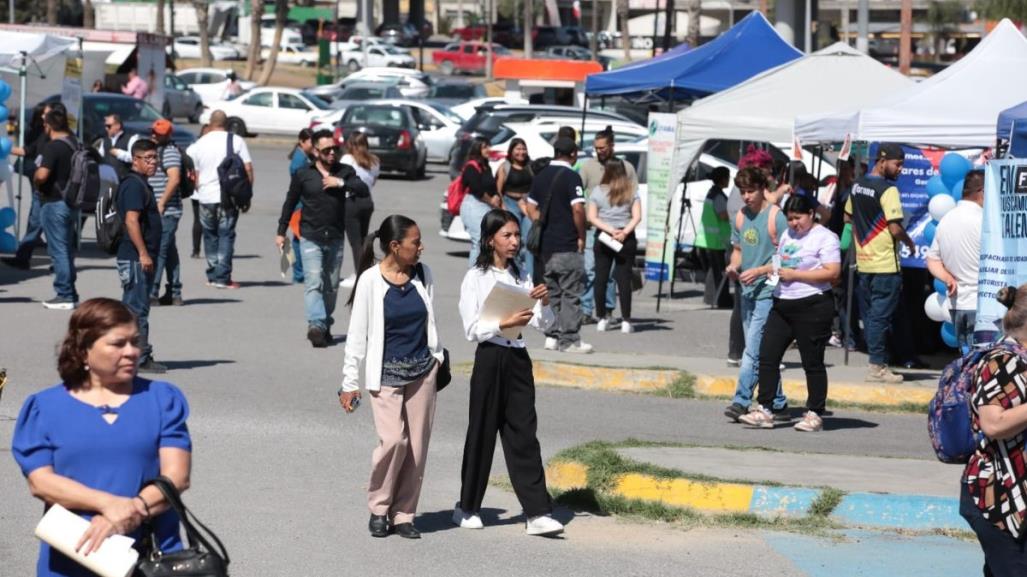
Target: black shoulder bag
column 198, row 559
column 534, row 241
column 445, row 373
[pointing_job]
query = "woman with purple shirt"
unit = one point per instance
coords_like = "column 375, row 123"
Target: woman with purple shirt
column 803, row 310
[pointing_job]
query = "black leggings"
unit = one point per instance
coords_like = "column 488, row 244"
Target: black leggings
column 197, row 227
column 358, row 222
column 605, row 258
column 808, row 322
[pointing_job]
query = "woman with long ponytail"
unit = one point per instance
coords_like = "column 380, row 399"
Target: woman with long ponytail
column 392, row 337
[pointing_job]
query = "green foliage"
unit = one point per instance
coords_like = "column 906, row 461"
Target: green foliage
column 998, row 9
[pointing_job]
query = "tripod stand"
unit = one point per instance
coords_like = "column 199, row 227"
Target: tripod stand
column 685, row 208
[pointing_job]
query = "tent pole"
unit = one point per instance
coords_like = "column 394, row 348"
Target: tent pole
column 23, row 76
column 584, row 112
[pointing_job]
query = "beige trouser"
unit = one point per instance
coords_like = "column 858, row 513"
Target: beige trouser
column 403, row 418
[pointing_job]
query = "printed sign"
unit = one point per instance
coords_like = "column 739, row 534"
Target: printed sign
column 151, row 65
column 1003, row 238
column 71, row 91
column 660, row 176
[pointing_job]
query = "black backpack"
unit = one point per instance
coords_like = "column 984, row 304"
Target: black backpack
column 187, row 180
column 83, row 187
column 236, row 189
column 110, row 225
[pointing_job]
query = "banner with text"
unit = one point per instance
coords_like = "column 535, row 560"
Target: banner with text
column 920, row 165
column 1003, row 238
column 661, row 182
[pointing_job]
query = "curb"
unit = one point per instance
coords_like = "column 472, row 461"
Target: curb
column 889, row 395
column 909, row 512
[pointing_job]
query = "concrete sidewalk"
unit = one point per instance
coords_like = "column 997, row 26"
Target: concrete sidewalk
column 890, row 493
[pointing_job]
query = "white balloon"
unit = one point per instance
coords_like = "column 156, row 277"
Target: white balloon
column 940, row 205
column 937, row 308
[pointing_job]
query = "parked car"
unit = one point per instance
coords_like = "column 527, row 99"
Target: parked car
column 356, row 42
column 271, row 111
column 503, row 32
column 363, row 91
column 539, row 134
column 406, row 34
column 545, row 36
column 189, row 47
column 411, row 83
column 293, row 54
column 136, row 116
column 180, row 101
column 210, row 83
column 392, row 135
column 468, row 108
column 466, row 57
column 436, row 123
column 451, row 93
column 376, row 56
column 576, row 53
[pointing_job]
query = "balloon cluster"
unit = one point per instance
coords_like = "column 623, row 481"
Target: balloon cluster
column 944, row 189
column 8, row 243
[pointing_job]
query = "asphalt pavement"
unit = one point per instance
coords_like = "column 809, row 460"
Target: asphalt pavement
column 280, row 471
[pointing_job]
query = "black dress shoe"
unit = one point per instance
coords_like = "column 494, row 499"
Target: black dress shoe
column 15, row 262
column 406, row 531
column 378, row 526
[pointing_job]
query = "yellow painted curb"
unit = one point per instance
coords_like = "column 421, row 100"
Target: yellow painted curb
column 566, row 476
column 849, row 393
column 602, row 378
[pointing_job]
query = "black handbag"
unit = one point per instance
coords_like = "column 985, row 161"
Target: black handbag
column 198, row 559
column 445, row 374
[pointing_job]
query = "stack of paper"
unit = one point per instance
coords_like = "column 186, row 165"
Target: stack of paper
column 503, row 301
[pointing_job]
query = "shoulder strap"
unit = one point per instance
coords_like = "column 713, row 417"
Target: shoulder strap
column 174, row 499
column 772, row 223
column 419, row 273
column 228, row 145
column 544, row 218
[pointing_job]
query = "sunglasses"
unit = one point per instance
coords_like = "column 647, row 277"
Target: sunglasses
column 108, row 125
column 329, row 150
column 148, row 158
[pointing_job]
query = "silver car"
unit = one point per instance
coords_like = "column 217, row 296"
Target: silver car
column 180, row 100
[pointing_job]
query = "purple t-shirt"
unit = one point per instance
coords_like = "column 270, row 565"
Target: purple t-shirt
column 819, row 246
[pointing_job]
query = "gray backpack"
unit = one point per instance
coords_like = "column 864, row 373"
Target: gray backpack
column 83, row 187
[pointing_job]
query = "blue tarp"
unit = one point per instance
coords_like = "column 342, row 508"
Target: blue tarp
column 1012, row 126
column 748, row 48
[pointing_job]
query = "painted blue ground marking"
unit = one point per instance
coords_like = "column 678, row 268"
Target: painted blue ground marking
column 899, row 511
column 787, row 501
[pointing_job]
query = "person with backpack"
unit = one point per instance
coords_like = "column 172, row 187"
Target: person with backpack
column 802, row 311
column 480, row 194
column 993, row 498
column 224, row 172
column 139, row 242
column 513, row 182
column 754, row 236
column 35, row 139
column 59, row 219
column 168, row 183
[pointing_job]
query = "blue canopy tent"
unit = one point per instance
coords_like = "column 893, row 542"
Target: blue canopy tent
column 1012, row 127
column 748, row 48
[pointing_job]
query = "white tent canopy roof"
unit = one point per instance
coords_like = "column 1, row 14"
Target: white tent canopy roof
column 763, row 108
column 956, row 107
column 39, row 47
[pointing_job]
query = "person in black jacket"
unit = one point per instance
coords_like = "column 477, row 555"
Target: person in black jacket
column 323, row 188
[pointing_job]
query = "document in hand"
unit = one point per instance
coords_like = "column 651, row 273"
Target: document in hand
column 611, row 242
column 61, row 529
column 287, row 258
column 503, row 301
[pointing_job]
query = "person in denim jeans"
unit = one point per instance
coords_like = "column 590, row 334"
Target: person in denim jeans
column 322, row 188
column 164, row 183
column 58, row 219
column 754, row 234
column 33, row 235
column 481, row 196
column 139, row 242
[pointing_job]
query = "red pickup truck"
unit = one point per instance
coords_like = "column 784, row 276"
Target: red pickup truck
column 467, row 57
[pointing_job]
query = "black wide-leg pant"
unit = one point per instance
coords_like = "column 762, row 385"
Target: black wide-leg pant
column 503, row 402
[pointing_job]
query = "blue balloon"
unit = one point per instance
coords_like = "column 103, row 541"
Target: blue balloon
column 929, row 230
column 936, row 186
column 7, row 217
column 953, row 168
column 948, row 335
column 5, row 147
column 5, row 91
column 940, row 288
column 957, row 190
column 7, row 242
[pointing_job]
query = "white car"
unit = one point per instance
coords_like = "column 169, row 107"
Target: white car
column 189, row 47
column 412, row 83
column 210, row 83
column 540, row 133
column 292, row 54
column 271, row 111
column 356, row 42
column 377, row 56
column 466, row 110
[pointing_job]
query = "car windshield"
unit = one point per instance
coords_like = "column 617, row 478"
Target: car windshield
column 316, row 100
column 388, row 116
column 452, row 91
column 391, row 50
column 445, row 111
column 129, row 109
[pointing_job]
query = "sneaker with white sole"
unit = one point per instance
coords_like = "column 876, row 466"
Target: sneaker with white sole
column 552, row 344
column 60, row 304
column 349, row 281
column 543, row 526
column 758, row 417
column 882, row 374
column 580, row 348
column 466, row 520
column 810, row 423
column 603, row 325
column 626, row 327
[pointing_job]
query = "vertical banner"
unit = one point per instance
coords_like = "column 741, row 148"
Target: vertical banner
column 920, row 165
column 71, row 90
column 1003, row 239
column 151, row 65
column 660, row 176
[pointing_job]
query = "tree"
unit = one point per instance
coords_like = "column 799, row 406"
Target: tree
column 203, row 23
column 529, row 23
column 88, row 16
column 943, row 19
column 998, row 9
column 51, row 12
column 623, row 14
column 281, row 11
column 669, row 19
column 159, row 27
column 694, row 17
column 253, row 54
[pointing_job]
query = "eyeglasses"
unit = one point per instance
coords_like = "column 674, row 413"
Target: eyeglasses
column 329, row 150
column 147, row 157
column 108, row 126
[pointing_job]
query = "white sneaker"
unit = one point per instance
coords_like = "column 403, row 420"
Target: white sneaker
column 349, row 281
column 603, row 325
column 544, row 526
column 466, row 520
column 580, row 347
column 626, row 328
column 552, row 344
column 810, row 423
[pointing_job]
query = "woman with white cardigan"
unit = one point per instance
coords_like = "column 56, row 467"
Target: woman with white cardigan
column 392, row 346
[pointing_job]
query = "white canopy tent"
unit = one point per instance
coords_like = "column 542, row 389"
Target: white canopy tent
column 764, row 108
column 956, row 107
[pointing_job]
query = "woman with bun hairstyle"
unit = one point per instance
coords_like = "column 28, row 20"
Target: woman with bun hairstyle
column 993, row 499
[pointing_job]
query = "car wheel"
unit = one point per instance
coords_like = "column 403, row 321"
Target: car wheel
column 446, row 68
column 195, row 118
column 353, row 66
column 236, row 126
column 422, row 170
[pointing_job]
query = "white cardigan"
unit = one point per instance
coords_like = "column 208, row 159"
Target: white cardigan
column 365, row 339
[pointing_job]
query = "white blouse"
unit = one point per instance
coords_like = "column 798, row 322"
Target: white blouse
column 370, row 177
column 476, row 288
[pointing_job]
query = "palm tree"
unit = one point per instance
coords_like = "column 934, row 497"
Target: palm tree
column 160, row 16
column 942, row 19
column 694, row 15
column 998, row 9
column 203, row 23
column 281, row 11
column 253, row 55
column 51, row 12
column 669, row 18
column 88, row 16
column 624, row 13
column 529, row 23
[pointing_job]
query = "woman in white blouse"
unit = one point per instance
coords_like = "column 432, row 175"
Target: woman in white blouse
column 393, row 347
column 502, row 386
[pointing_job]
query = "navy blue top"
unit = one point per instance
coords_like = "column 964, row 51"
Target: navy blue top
column 54, row 429
column 406, row 356
column 136, row 195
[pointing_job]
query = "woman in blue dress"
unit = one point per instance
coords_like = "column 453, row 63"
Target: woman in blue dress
column 92, row 441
